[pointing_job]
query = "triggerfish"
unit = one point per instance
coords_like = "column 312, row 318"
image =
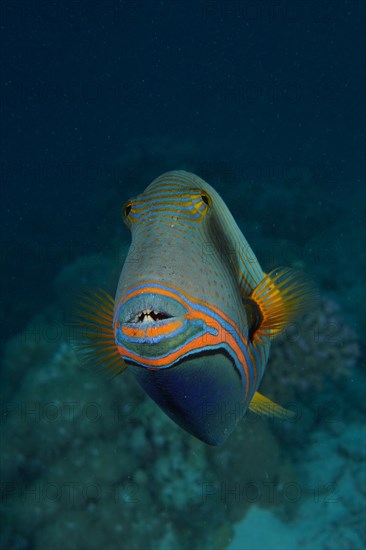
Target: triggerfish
column 194, row 314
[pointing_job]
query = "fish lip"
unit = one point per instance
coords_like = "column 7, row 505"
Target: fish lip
column 149, row 309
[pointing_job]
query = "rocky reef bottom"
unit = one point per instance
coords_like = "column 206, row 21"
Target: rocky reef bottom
column 90, row 463
column 331, row 514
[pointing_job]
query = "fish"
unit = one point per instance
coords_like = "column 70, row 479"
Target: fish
column 194, row 314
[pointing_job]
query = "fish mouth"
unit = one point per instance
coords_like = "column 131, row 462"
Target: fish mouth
column 149, row 325
column 155, row 326
column 149, row 308
column 149, row 316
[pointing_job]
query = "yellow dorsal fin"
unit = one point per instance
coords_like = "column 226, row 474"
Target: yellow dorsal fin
column 280, row 297
column 95, row 339
column 264, row 406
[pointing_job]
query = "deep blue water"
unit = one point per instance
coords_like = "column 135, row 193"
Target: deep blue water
column 264, row 100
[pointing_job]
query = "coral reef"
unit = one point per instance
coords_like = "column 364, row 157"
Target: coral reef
column 331, row 499
column 320, row 348
column 89, row 462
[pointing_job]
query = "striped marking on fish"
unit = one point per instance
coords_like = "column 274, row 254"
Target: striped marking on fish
column 220, row 332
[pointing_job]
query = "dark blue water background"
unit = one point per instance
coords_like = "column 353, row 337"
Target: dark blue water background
column 263, row 99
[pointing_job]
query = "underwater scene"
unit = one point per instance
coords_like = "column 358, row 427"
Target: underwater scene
column 183, row 275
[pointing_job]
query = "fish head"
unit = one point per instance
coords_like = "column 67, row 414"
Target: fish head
column 179, row 320
column 177, row 240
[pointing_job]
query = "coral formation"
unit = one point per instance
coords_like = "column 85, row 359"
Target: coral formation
column 88, row 460
column 94, row 462
column 318, row 349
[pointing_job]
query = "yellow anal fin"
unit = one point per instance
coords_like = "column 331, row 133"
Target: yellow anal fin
column 264, row 406
column 280, row 297
column 95, row 339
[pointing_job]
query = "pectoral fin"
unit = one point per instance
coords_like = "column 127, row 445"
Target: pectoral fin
column 277, row 301
column 95, row 344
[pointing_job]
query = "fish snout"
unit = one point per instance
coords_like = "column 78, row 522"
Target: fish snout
column 148, row 324
column 148, row 307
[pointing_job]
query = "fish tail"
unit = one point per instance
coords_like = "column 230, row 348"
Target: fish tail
column 281, row 296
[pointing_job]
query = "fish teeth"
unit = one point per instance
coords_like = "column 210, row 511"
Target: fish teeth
column 147, row 319
column 149, row 315
column 145, row 316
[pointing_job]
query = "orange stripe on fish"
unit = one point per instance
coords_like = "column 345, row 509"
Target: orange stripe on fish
column 151, row 331
column 208, row 339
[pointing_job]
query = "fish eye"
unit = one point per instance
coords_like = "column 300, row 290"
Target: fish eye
column 205, row 198
column 127, row 208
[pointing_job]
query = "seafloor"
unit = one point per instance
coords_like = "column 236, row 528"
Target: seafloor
column 91, row 463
